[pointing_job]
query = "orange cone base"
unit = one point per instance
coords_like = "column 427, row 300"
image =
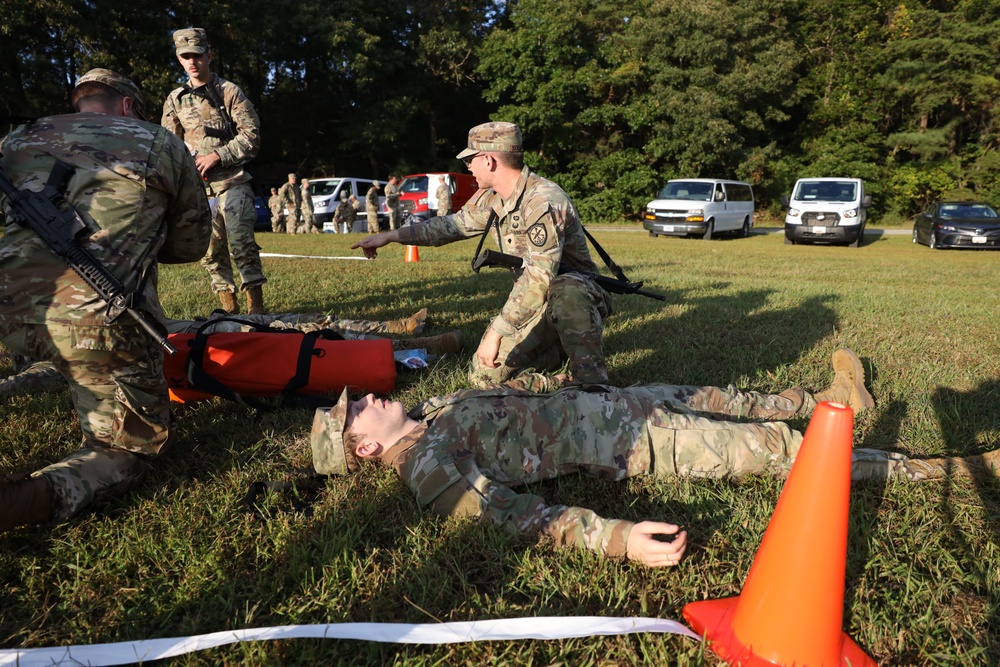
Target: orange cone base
column 713, row 619
column 412, row 255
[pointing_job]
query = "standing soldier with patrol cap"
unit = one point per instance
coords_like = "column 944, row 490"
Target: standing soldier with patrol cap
column 371, row 208
column 392, row 201
column 443, row 194
column 306, row 208
column 277, row 212
column 141, row 200
column 291, row 199
column 221, row 128
column 554, row 312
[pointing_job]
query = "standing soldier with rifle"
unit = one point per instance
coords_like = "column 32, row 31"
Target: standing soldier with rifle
column 92, row 201
column 549, row 317
column 221, row 128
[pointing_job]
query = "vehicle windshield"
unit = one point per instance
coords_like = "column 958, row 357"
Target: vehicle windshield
column 838, row 191
column 324, row 188
column 689, row 190
column 967, row 211
column 413, row 184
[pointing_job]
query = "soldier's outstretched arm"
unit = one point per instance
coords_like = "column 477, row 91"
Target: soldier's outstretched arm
column 644, row 546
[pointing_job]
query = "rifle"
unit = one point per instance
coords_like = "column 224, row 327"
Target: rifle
column 59, row 229
column 490, row 258
column 228, row 132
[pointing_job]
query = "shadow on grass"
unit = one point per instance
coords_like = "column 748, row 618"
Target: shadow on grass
column 963, row 418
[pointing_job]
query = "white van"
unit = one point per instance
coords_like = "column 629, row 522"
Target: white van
column 701, row 206
column 326, row 196
column 826, row 210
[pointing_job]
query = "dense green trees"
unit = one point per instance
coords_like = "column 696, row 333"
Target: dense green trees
column 614, row 96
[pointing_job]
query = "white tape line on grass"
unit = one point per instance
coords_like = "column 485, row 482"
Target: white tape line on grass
column 550, row 627
column 275, row 254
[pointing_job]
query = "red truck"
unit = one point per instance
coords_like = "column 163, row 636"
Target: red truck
column 418, row 194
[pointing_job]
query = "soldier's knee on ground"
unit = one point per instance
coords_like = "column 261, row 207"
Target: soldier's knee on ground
column 91, row 473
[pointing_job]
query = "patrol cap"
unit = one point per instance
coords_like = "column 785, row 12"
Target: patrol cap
column 292, row 173
column 493, row 138
column 119, row 84
column 190, row 40
column 375, row 183
column 343, row 194
column 327, row 439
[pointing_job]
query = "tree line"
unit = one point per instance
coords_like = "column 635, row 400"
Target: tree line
column 614, row 96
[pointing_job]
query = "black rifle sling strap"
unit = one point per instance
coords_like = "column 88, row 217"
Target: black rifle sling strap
column 201, row 380
column 492, row 222
column 610, row 263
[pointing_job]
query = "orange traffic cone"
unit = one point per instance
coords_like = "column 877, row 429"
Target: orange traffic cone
column 790, row 611
column 411, row 254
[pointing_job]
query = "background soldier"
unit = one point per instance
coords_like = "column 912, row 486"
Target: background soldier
column 392, row 201
column 277, row 212
column 138, row 190
column 306, row 208
column 371, row 207
column 345, row 212
column 554, row 312
column 443, row 195
column 291, row 203
column 220, row 125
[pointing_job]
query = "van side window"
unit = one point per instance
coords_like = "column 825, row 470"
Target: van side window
column 720, row 195
column 739, row 192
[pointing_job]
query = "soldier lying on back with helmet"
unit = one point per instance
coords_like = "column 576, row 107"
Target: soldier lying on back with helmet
column 461, row 454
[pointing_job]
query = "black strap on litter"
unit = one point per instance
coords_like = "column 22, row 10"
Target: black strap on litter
column 201, row 380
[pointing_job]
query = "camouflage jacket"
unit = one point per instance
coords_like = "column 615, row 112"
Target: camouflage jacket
column 187, row 114
column 474, row 445
column 274, row 203
column 371, row 199
column 392, row 195
column 306, row 206
column 345, row 212
column 537, row 223
column 291, row 197
column 139, row 193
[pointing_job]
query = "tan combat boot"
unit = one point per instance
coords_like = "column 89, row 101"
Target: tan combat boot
column 414, row 324
column 255, row 300
column 25, row 501
column 448, row 343
column 848, row 383
column 977, row 466
column 229, row 303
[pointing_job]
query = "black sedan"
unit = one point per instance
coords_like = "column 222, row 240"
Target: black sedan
column 958, row 224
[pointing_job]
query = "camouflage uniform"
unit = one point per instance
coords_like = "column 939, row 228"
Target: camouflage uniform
column 371, row 208
column 291, row 200
column 187, row 113
column 548, row 317
column 392, row 204
column 138, row 190
column 277, row 213
column 306, row 209
column 345, row 213
column 443, row 195
column 473, row 446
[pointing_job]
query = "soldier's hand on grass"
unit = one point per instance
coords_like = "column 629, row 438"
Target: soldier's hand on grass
column 644, row 546
column 370, row 244
column 489, row 348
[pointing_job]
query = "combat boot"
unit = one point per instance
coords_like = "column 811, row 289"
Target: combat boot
column 229, row 303
column 448, row 343
column 977, row 466
column 255, row 300
column 25, row 501
column 414, row 324
column 848, row 383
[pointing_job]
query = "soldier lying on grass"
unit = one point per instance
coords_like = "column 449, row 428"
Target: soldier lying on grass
column 461, row 454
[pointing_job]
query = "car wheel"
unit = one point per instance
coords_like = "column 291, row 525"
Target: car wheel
column 915, row 240
column 708, row 230
column 932, row 241
column 788, row 241
column 857, row 242
column 745, row 230
column 653, row 235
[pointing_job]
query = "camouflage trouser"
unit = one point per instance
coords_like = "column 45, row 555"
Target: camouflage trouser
column 277, row 223
column 38, row 377
column 292, row 222
column 232, row 227
column 372, row 222
column 308, row 222
column 394, row 215
column 305, row 322
column 115, row 376
column 690, row 436
column 570, row 326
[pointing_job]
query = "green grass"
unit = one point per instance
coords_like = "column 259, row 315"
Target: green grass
column 180, row 554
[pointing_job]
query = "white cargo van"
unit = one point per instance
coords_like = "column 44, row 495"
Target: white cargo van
column 326, row 196
column 826, row 210
column 700, row 206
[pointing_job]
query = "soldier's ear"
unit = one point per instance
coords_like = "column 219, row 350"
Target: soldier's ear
column 367, row 449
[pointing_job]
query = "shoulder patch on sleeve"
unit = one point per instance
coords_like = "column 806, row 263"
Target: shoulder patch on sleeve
column 538, row 234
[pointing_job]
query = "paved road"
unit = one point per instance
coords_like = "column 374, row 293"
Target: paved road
column 760, row 230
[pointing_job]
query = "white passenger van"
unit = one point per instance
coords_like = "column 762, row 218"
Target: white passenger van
column 700, row 206
column 326, row 196
column 826, row 210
